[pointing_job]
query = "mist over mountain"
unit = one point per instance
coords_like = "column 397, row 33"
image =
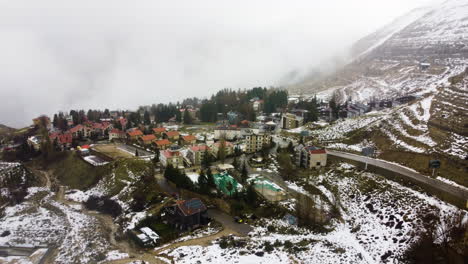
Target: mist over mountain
column 121, row 54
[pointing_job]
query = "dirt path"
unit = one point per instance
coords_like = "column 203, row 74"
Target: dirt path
column 202, row 241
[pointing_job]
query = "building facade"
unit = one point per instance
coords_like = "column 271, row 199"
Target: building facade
column 255, row 141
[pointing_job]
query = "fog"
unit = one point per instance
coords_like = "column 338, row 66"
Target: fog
column 58, row 55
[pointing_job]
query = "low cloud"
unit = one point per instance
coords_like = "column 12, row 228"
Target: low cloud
column 56, row 55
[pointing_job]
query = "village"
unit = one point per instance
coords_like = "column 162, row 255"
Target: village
column 184, row 178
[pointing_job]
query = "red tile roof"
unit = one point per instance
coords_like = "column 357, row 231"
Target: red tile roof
column 163, row 142
column 76, row 128
column 65, row 138
column 226, row 143
column 172, row 133
column 148, row 137
column 159, row 129
column 317, row 151
column 169, row 154
column 117, row 131
column 135, row 133
column 189, row 138
column 199, row 148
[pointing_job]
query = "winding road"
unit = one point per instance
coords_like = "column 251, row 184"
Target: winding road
column 406, row 172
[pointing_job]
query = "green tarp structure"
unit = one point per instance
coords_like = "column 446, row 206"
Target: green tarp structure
column 222, row 180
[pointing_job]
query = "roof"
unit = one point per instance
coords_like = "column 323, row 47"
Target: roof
column 148, row 137
column 172, row 133
column 76, row 128
column 314, row 150
column 85, row 147
column 162, row 142
column 199, row 148
column 117, row 131
column 189, row 138
column 65, row 138
column 168, row 153
column 159, row 129
column 190, row 207
column 135, row 133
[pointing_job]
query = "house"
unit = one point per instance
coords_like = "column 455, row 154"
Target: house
column 229, row 147
column 134, row 135
column 158, row 131
column 290, row 121
column 187, row 214
column 189, row 140
column 310, row 157
column 256, row 141
column 123, row 122
column 424, row 66
column 146, row 237
column 257, row 105
column 227, row 132
column 162, row 144
column 62, row 140
column 147, row 139
column 116, row 134
column 172, row 156
column 172, row 135
column 76, row 131
column 196, row 154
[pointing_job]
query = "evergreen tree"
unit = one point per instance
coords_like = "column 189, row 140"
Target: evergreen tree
column 203, row 183
column 222, row 150
column 251, row 194
column 136, row 153
column 146, row 118
column 55, row 121
column 206, row 162
column 210, row 179
column 244, row 173
column 188, row 120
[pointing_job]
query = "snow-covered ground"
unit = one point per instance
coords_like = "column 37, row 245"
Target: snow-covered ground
column 381, row 219
column 42, row 220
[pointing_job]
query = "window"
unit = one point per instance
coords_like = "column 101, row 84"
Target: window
column 318, row 163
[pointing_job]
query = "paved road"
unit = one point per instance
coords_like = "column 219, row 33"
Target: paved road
column 228, row 222
column 440, row 185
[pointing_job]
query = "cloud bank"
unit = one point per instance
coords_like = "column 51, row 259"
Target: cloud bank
column 59, row 55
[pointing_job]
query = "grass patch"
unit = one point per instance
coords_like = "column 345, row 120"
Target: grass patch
column 74, row 172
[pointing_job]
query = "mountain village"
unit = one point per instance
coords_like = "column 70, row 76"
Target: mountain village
column 371, row 170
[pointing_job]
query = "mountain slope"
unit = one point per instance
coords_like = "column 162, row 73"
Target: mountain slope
column 386, row 62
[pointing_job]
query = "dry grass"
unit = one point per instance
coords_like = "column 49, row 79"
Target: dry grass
column 112, row 151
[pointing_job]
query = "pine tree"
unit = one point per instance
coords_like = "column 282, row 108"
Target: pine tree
column 146, row 118
column 210, row 179
column 251, row 195
column 136, row 153
column 244, row 173
column 55, row 122
column 222, row 150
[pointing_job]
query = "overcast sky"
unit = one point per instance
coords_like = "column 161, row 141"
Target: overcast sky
column 58, row 55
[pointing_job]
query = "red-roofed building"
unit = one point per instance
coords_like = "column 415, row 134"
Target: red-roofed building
column 116, row 134
column 135, row 134
column 76, row 131
column 229, row 147
column 62, row 140
column 162, row 144
column 123, row 122
column 171, row 157
column 196, row 154
column 189, row 140
column 147, row 139
column 158, row 131
column 187, row 214
column 172, row 135
column 310, row 157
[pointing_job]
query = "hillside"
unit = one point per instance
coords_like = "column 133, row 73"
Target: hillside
column 386, row 63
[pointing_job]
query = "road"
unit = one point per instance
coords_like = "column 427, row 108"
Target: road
column 439, row 185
